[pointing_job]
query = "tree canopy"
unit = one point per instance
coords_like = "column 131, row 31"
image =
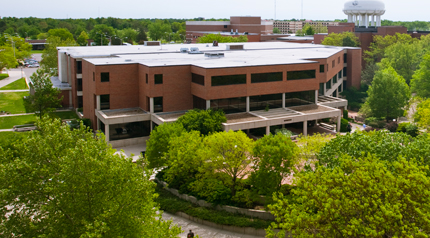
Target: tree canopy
column 388, row 94
column 59, row 182
column 422, row 115
column 50, row 53
column 341, row 39
column 204, row 121
column 420, row 83
column 209, row 38
column 101, row 34
column 158, row 30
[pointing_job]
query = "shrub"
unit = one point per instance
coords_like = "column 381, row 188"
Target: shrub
column 402, row 127
column 80, row 109
column 87, row 122
column 392, row 126
column 375, row 122
column 412, row 130
column 369, row 128
column 343, row 125
column 345, row 114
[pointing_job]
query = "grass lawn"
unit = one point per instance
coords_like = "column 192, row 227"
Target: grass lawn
column 37, row 51
column 18, row 84
column 3, row 76
column 9, row 122
column 13, row 102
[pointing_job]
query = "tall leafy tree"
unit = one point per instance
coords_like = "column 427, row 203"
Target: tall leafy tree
column 59, row 182
column 209, row 38
column 128, row 35
column 63, row 33
column 101, row 34
column 7, row 60
column 308, row 30
column 45, row 97
column 159, row 30
column 356, row 199
column 50, row 53
column 422, row 115
column 274, row 158
column 82, row 39
column 377, row 48
column 204, row 121
column 341, row 39
column 388, row 94
column 420, row 83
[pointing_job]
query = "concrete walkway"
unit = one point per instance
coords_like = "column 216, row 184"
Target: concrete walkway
column 13, row 76
column 21, row 114
column 201, row 230
column 3, row 130
column 14, row 91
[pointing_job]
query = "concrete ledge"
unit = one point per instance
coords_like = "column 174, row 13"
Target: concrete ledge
column 264, row 215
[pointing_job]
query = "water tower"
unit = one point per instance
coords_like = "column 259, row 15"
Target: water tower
column 359, row 12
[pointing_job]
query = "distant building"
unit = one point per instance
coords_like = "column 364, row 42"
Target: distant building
column 291, row 27
column 37, row 44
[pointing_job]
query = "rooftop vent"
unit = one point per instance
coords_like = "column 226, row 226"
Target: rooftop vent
column 127, row 60
column 214, row 55
column 184, row 50
column 234, row 47
column 195, row 50
column 152, row 43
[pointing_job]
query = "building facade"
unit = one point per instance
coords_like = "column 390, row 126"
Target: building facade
column 291, row 27
column 128, row 90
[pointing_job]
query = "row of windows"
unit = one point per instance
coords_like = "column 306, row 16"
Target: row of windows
column 158, row 78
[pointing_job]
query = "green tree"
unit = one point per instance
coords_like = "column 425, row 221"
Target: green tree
column 7, row 60
column 310, row 146
column 21, row 49
column 59, row 182
column 420, row 83
column 45, row 97
column 388, row 94
column 158, row 144
column 82, row 39
column 204, row 121
column 368, row 73
column 101, row 34
column 274, row 158
column 63, row 33
column 42, row 36
column 276, row 30
column 141, row 36
column 356, row 199
column 308, row 30
column 341, row 39
column 422, row 115
column 50, row 53
column 128, row 35
column 158, row 30
column 377, row 48
column 209, row 38
column 229, row 153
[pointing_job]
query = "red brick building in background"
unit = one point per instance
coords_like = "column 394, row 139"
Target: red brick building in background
column 128, row 90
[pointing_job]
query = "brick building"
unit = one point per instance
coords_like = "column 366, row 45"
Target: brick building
column 291, row 27
column 127, row 90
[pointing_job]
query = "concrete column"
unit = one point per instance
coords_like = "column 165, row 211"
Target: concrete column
column 305, row 128
column 62, row 66
column 316, row 96
column 373, row 20
column 325, row 88
column 247, row 104
column 267, row 130
column 283, row 100
column 107, row 132
column 350, row 18
column 360, row 20
column 150, row 126
column 378, row 20
column 98, row 124
column 366, row 20
column 151, row 105
column 70, row 99
column 338, row 124
column 208, row 104
column 98, row 102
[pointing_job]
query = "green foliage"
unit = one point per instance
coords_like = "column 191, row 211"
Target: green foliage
column 62, row 33
column 377, row 48
column 50, row 53
column 159, row 30
column 285, row 132
column 274, row 158
column 18, row 84
column 308, row 30
column 173, row 204
column 7, row 60
column 392, row 126
column 209, row 38
column 13, row 102
column 420, row 83
column 339, row 39
column 412, row 130
column 3, row 76
column 422, row 115
column 82, row 39
column 354, row 96
column 309, row 146
column 345, row 114
column 78, row 187
column 368, row 73
column 388, row 94
column 375, row 122
column 276, row 30
column 205, row 121
column 158, row 144
column 101, row 33
column 128, row 35
column 356, row 199
column 45, row 97
column 344, row 125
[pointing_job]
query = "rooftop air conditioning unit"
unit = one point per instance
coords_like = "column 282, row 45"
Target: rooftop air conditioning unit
column 184, row 50
column 234, row 47
column 194, row 50
column 214, row 55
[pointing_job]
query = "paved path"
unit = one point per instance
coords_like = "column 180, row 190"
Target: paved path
column 20, row 114
column 3, row 130
column 14, row 91
column 13, row 76
column 202, row 230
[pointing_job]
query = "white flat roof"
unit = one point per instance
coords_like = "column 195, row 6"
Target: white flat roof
column 254, row 54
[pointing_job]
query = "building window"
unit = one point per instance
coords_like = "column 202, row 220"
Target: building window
column 300, row 98
column 158, row 79
column 229, row 105
column 94, row 76
column 80, row 102
column 104, row 77
column 158, row 104
column 339, row 75
column 344, row 58
column 228, row 80
column 129, row 130
column 265, row 101
column 338, row 60
column 321, row 68
column 199, row 103
column 146, row 78
column 79, row 67
column 304, row 74
column 333, row 63
column 328, row 85
column 344, row 71
column 198, row 79
column 335, row 79
column 225, row 26
column 104, row 102
column 79, row 86
column 266, row 77
column 321, row 90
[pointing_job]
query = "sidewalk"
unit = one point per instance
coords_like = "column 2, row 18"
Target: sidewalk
column 14, row 91
column 13, row 76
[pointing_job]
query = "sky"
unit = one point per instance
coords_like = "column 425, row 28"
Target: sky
column 396, row 10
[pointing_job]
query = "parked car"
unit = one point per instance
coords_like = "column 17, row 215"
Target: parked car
column 36, row 65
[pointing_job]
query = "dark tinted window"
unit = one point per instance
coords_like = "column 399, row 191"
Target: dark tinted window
column 199, row 103
column 228, row 80
column 345, row 58
column 344, row 71
column 146, row 78
column 304, row 74
column 79, row 67
column 230, row 105
column 339, row 75
column 198, row 79
column 79, row 84
column 321, row 91
column 104, row 77
column 266, row 77
column 158, row 79
column 321, row 68
column 300, row 98
column 265, row 101
column 335, row 79
column 158, row 104
column 328, row 85
column 104, row 102
column 129, row 130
